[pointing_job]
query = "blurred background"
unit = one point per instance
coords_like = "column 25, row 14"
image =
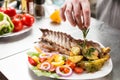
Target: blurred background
column 56, row 2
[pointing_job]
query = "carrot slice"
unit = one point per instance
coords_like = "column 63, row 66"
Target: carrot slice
column 51, row 58
column 38, row 49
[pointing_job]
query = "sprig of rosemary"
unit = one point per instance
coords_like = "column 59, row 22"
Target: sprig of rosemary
column 85, row 32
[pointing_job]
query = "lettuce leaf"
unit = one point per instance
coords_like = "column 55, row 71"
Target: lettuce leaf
column 32, row 54
column 44, row 73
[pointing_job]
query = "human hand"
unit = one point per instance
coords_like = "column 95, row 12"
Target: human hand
column 77, row 12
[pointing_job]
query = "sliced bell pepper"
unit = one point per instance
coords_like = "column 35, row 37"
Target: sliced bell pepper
column 60, row 63
column 6, row 25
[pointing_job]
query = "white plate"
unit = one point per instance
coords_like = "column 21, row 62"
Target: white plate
column 105, row 70
column 16, row 33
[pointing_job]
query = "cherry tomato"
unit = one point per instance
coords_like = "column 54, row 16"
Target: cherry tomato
column 78, row 70
column 31, row 61
column 70, row 63
column 28, row 20
column 10, row 12
column 19, row 16
column 18, row 26
column 18, row 22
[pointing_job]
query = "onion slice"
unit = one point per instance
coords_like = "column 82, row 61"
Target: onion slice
column 45, row 66
column 45, row 55
column 58, row 71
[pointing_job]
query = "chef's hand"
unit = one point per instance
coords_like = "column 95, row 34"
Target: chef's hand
column 77, row 12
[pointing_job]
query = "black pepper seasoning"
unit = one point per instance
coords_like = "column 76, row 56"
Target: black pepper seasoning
column 39, row 8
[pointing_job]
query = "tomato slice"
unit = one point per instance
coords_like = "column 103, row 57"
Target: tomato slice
column 52, row 68
column 31, row 61
column 64, row 71
column 78, row 70
column 42, row 59
column 70, row 63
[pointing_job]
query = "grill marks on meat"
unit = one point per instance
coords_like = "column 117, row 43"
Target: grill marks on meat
column 61, row 42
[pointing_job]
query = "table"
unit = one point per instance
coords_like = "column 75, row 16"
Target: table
column 15, row 67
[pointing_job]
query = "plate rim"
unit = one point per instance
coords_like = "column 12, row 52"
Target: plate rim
column 26, row 29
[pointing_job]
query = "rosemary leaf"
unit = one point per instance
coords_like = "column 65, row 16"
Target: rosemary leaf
column 85, row 32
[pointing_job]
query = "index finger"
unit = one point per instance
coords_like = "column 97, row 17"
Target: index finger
column 62, row 12
column 86, row 12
